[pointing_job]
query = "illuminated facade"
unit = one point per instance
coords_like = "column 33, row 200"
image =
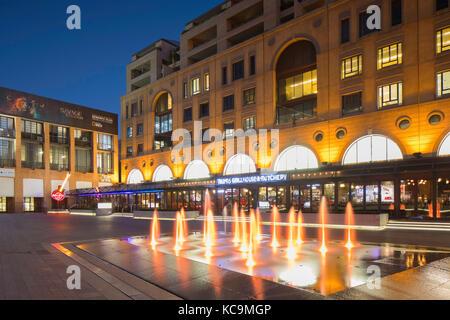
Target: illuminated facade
column 363, row 115
column 42, row 140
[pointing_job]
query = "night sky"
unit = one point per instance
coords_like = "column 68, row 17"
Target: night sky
column 39, row 55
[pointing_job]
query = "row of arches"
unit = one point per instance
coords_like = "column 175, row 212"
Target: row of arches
column 370, row 148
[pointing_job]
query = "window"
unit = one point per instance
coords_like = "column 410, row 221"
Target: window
column 228, row 102
column 59, row 157
column 134, row 109
column 207, row 80
column 32, row 130
column 28, row 204
column 83, row 138
column 238, row 70
column 185, row 90
column 104, row 162
column 300, row 111
column 141, row 107
column 195, row 86
column 205, row 135
column 345, row 30
column 129, row 131
column 443, row 83
column 59, row 135
column 351, row 66
column 7, row 153
column 83, row 160
column 351, row 103
column 298, row 86
column 441, row 4
column 224, row 76
column 32, row 155
column 104, row 142
column 390, row 95
column 252, row 66
column 7, row 127
column 3, row 205
column 396, row 12
column 363, row 29
column 140, row 129
column 443, row 40
column 204, row 110
column 389, row 55
column 249, row 123
column 228, row 130
column 187, row 114
column 249, row 96
column 140, row 149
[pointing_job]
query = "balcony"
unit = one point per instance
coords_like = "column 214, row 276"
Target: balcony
column 7, row 162
column 32, row 137
column 32, row 165
column 58, row 139
column 7, row 133
column 105, row 170
column 83, row 142
column 247, row 15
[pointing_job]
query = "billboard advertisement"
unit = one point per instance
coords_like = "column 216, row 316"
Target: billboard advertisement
column 25, row 105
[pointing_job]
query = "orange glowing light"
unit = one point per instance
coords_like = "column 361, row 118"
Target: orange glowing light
column 236, row 223
column 210, row 232
column 250, row 262
column 275, row 219
column 349, row 220
column 258, row 225
column 300, row 228
column 244, row 247
column 179, row 232
column 291, row 250
column 323, row 213
column 155, row 229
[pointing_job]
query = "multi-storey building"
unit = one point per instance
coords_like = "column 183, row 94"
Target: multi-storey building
column 152, row 63
column 363, row 114
column 42, row 140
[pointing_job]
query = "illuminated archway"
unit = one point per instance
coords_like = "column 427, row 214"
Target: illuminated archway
column 196, row 169
column 162, row 173
column 296, row 158
column 135, row 177
column 372, row 148
column 239, row 164
column 444, row 148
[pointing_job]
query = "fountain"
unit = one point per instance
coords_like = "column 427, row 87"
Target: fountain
column 275, row 218
column 236, row 224
column 209, row 233
column 258, row 226
column 323, row 213
column 244, row 247
column 299, row 228
column 291, row 250
column 250, row 262
column 349, row 219
column 155, row 229
column 179, row 231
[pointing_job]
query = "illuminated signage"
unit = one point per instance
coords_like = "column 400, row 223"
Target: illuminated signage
column 58, row 195
column 253, row 179
column 104, row 205
column 30, row 106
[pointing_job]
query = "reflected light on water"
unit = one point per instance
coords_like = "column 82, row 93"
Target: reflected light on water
column 301, row 276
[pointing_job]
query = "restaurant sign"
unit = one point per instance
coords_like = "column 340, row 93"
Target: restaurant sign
column 252, row 179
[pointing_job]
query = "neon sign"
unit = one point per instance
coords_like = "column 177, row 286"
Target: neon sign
column 58, row 195
column 252, row 179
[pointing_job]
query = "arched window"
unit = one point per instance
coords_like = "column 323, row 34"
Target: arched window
column 444, row 148
column 196, row 169
column 135, row 177
column 296, row 158
column 239, row 164
column 163, row 121
column 372, row 148
column 162, row 173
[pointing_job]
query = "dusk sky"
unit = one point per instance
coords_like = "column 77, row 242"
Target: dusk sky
column 40, row 55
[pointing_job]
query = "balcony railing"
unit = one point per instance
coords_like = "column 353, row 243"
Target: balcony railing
column 59, row 139
column 83, row 143
column 32, row 136
column 105, row 147
column 59, row 166
column 5, row 133
column 7, row 162
column 105, row 170
column 32, row 165
column 84, row 169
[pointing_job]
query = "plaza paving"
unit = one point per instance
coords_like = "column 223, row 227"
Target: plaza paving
column 32, row 268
